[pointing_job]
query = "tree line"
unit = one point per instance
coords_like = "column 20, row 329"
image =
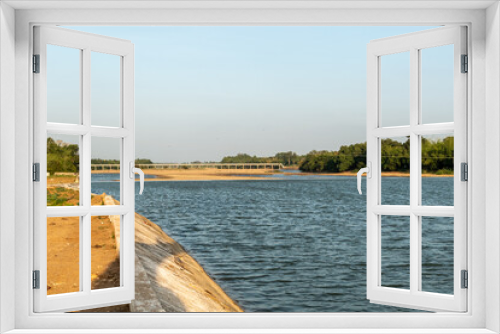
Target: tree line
column 437, row 157
column 114, row 161
column 286, row 158
column 64, row 157
column 347, row 158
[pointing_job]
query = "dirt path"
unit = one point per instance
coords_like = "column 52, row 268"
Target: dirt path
column 63, row 251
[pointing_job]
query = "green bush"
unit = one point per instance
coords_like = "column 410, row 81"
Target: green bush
column 62, row 157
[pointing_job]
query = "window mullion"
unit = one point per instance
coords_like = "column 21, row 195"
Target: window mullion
column 85, row 193
column 414, row 171
column 85, row 179
column 85, row 247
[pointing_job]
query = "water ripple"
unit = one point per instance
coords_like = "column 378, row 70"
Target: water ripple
column 297, row 244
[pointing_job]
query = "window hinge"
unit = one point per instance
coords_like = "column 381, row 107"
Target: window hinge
column 465, row 64
column 465, row 279
column 36, row 279
column 36, row 172
column 464, row 171
column 36, row 63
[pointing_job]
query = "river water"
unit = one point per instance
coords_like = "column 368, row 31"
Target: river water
column 296, row 243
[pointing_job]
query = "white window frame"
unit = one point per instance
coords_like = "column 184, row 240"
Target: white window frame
column 484, row 238
column 413, row 43
column 123, row 50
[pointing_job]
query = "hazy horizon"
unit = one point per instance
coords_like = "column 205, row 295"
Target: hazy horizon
column 203, row 93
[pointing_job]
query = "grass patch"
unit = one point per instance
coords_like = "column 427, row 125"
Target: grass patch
column 62, row 197
column 444, row 172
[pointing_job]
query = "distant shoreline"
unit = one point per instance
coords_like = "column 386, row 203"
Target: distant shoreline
column 212, row 174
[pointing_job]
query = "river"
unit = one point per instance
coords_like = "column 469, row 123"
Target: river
column 296, row 243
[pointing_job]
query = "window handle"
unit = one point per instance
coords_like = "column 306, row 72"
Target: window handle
column 368, row 171
column 133, row 171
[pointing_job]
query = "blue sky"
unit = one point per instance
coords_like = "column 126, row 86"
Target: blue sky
column 206, row 92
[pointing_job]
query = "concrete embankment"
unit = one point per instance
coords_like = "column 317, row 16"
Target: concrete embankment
column 167, row 278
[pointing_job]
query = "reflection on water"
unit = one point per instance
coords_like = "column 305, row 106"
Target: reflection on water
column 297, row 244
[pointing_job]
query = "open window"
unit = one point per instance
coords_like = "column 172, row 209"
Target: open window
column 402, row 120
column 66, row 65
column 482, row 243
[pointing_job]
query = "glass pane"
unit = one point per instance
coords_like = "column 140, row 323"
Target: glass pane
column 395, row 166
column 105, row 166
column 437, row 170
column 437, row 254
column 63, row 255
column 395, row 264
column 63, row 170
column 105, row 89
column 105, row 252
column 63, row 85
column 395, row 89
column 437, row 84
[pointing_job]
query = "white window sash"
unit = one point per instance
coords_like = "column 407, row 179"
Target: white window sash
column 414, row 297
column 86, row 298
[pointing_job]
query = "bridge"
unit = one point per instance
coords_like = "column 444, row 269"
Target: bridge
column 193, row 166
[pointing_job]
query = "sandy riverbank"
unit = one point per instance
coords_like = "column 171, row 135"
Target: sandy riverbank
column 206, row 174
column 212, row 174
column 63, row 250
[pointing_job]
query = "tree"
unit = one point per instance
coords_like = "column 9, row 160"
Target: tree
column 245, row 158
column 287, row 158
column 143, row 161
column 395, row 155
column 62, row 157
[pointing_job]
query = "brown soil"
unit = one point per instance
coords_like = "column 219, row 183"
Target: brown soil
column 55, row 179
column 63, row 250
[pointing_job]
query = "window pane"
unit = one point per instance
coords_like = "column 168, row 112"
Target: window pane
column 437, row 170
column 106, row 89
column 63, row 170
column 105, row 252
column 437, row 84
column 395, row 166
column 437, row 254
column 395, row 251
column 63, row 255
column 395, row 89
column 105, row 164
column 63, row 84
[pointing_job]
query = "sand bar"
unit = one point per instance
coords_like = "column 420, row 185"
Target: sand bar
column 212, row 174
